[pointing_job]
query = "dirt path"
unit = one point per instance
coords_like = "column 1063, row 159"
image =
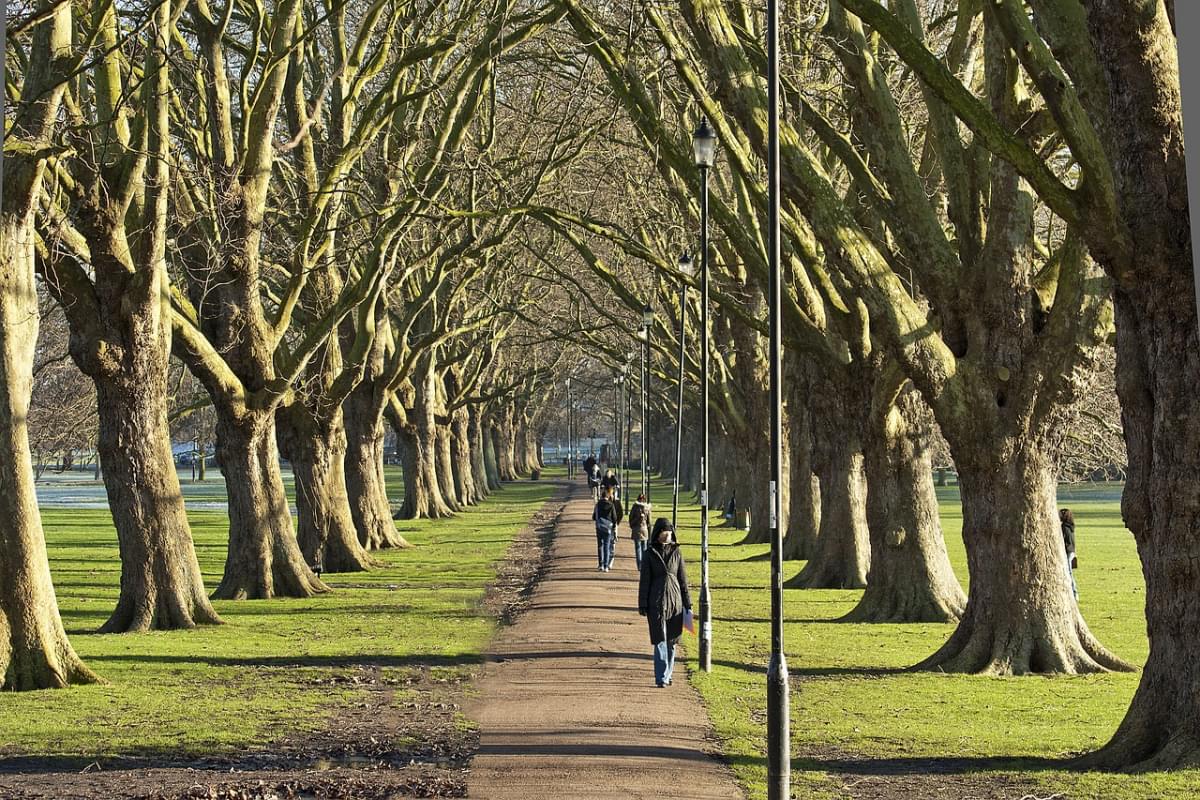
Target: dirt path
column 567, row 706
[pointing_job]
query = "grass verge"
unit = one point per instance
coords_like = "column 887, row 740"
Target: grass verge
column 277, row 666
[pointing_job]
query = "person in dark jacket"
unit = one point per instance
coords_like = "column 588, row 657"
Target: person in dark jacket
column 663, row 598
column 1068, row 533
column 588, row 463
column 607, row 516
column 611, row 481
column 639, row 529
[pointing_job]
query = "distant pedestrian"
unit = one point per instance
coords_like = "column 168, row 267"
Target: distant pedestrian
column 607, row 516
column 639, row 528
column 594, row 482
column 588, row 463
column 611, row 481
column 1067, row 519
column 663, row 598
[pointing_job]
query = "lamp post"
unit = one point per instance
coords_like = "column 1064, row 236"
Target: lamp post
column 779, row 760
column 570, row 444
column 647, row 324
column 685, row 267
column 627, row 443
column 704, row 145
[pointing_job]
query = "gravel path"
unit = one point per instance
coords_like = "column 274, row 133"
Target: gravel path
column 567, row 706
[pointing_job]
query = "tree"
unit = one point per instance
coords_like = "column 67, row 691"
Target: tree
column 34, row 650
column 105, row 227
column 1109, row 77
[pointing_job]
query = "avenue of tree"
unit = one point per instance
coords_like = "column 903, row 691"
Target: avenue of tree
column 343, row 215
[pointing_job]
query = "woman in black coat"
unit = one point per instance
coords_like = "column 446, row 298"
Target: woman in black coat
column 663, row 598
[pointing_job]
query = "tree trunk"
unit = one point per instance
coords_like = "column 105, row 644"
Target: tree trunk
column 490, row 458
column 1020, row 616
column 443, row 459
column 34, row 650
column 1158, row 370
column 161, row 585
column 366, row 485
column 464, row 469
column 803, row 504
column 842, row 555
column 476, row 449
column 316, row 449
column 910, row 579
column 264, row 559
column 502, row 435
column 422, row 498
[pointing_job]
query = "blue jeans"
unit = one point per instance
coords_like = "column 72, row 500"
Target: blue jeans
column 664, row 661
column 639, row 552
column 604, row 548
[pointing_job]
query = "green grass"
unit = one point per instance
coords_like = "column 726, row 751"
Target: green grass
column 1009, row 726
column 267, row 670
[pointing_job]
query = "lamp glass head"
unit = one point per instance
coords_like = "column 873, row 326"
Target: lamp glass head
column 647, row 316
column 704, row 144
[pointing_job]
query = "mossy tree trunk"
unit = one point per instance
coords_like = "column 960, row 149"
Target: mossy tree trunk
column 315, row 444
column 366, row 483
column 264, row 558
column 910, row 579
column 34, row 650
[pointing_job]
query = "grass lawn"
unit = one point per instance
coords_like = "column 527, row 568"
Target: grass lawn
column 993, row 731
column 268, row 670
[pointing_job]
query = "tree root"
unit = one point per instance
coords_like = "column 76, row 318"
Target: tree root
column 1018, row 648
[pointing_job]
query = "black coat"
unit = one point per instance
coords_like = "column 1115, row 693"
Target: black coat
column 607, row 509
column 663, row 592
column 1068, row 532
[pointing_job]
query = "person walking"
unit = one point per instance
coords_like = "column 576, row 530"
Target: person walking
column 663, row 598
column 639, row 529
column 607, row 516
column 594, row 482
column 1067, row 520
column 611, row 481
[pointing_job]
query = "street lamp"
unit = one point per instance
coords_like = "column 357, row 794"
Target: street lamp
column 627, row 444
column 570, row 435
column 685, row 268
column 704, row 145
column 647, row 325
column 779, row 761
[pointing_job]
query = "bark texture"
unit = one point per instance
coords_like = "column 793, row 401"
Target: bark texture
column 842, row 555
column 161, row 585
column 366, row 484
column 264, row 558
column 1138, row 104
column 315, row 444
column 910, row 579
column 422, row 495
column 34, row 650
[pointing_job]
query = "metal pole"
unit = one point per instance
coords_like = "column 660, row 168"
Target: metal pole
column 627, row 444
column 642, row 393
column 779, row 763
column 570, row 436
column 645, row 422
column 679, row 407
column 705, row 598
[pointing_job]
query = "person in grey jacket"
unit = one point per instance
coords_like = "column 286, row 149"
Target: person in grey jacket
column 663, row 598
